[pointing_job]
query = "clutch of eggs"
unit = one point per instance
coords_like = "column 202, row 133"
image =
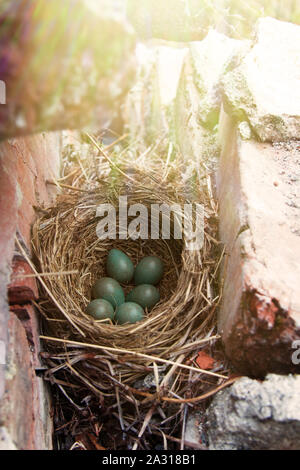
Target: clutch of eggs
column 109, row 299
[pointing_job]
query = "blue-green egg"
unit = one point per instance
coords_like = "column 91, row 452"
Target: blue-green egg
column 100, row 309
column 146, row 295
column 129, row 312
column 110, row 290
column 149, row 270
column 119, row 266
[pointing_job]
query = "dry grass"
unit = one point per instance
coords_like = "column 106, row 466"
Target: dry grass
column 111, row 363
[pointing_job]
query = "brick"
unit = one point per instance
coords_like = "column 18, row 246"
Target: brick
column 259, row 223
column 205, row 361
column 8, row 209
column 25, row 405
column 22, row 289
column 264, row 88
column 45, row 152
column 25, row 165
column 8, row 204
column 29, row 318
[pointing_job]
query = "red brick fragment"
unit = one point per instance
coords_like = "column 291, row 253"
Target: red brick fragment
column 205, row 361
column 22, row 289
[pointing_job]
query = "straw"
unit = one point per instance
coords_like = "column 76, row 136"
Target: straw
column 114, row 362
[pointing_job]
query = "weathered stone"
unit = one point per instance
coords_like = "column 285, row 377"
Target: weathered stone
column 209, row 59
column 8, row 211
column 193, row 434
column 25, row 406
column 197, row 144
column 63, row 66
column 259, row 202
column 28, row 316
column 254, row 415
column 6, row 442
column 264, row 87
column 25, row 166
column 199, row 98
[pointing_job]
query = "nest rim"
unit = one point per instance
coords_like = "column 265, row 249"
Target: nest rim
column 162, row 330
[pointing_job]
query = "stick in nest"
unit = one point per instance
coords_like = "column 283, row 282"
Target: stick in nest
column 65, row 240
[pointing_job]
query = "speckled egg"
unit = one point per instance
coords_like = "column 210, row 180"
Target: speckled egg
column 110, row 290
column 148, row 271
column 129, row 312
column 119, row 266
column 146, row 295
column 100, row 309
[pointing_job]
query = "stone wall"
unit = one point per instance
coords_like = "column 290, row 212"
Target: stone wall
column 255, row 415
column 259, row 199
column 235, row 117
column 237, row 121
column 227, row 106
column 61, row 67
column 26, row 163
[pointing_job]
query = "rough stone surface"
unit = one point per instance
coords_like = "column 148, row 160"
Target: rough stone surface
column 8, row 210
column 195, row 432
column 197, row 144
column 25, row 406
column 6, row 442
column 25, row 166
column 259, row 199
column 28, row 316
column 254, row 415
column 209, row 58
column 264, row 87
column 199, row 98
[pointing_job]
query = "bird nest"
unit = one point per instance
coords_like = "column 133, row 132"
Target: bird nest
column 152, row 361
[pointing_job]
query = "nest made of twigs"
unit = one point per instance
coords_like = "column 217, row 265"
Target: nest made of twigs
column 71, row 257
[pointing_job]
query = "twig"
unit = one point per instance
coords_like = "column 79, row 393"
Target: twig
column 67, row 186
column 80, row 408
column 62, row 273
column 156, row 376
column 172, row 370
column 122, row 137
column 218, row 263
column 196, row 343
column 145, row 424
column 134, row 353
column 108, row 158
column 46, row 288
column 117, row 397
column 185, row 408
